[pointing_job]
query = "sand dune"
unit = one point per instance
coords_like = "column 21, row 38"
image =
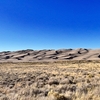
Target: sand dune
column 49, row 55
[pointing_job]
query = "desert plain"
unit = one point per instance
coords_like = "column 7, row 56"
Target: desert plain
column 66, row 74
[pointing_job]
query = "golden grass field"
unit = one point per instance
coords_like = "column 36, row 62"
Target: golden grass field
column 61, row 80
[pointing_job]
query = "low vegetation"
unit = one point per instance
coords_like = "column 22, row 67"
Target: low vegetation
column 61, row 80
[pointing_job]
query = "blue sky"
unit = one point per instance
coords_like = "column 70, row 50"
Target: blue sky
column 49, row 24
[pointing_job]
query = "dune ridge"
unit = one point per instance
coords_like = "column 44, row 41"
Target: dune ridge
column 30, row 55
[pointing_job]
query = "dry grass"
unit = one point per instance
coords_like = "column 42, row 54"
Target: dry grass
column 61, row 80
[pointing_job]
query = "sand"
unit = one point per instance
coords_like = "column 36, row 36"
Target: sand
column 49, row 55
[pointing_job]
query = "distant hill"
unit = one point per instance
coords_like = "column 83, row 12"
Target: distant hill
column 49, row 55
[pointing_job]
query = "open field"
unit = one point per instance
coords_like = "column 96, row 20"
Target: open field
column 59, row 80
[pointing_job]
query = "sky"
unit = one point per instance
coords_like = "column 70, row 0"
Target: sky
column 49, row 24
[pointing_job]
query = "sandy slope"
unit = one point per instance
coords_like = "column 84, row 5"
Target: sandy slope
column 50, row 55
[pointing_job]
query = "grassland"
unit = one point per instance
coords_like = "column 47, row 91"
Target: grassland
column 61, row 80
